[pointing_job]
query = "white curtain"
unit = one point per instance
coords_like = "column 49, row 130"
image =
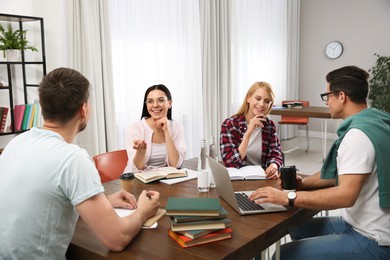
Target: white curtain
column 216, row 88
column 259, row 47
column 208, row 64
column 265, row 44
column 89, row 53
column 293, row 8
column 157, row 42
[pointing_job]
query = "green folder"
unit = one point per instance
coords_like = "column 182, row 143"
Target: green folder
column 193, row 206
column 26, row 117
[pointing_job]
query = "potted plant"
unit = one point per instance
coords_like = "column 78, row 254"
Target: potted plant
column 379, row 95
column 13, row 40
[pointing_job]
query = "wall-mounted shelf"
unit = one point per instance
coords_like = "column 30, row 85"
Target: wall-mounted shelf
column 8, row 67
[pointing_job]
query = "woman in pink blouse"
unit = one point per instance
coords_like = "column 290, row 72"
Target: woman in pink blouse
column 156, row 140
column 249, row 137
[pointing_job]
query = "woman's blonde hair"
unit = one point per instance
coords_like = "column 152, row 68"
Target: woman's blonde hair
column 260, row 84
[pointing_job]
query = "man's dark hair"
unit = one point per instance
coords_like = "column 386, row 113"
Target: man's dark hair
column 164, row 89
column 353, row 81
column 61, row 94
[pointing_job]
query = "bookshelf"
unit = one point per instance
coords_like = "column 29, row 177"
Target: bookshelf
column 20, row 79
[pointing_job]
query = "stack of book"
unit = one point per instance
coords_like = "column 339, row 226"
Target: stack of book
column 293, row 104
column 196, row 221
column 27, row 116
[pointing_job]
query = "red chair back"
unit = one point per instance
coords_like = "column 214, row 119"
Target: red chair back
column 111, row 165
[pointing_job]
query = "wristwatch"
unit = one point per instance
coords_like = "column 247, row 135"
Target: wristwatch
column 291, row 198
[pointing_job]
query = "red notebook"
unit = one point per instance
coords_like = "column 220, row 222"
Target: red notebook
column 18, row 116
column 184, row 241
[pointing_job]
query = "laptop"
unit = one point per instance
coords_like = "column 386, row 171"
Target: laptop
column 238, row 200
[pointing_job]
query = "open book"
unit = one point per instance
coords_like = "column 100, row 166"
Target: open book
column 160, row 173
column 190, row 176
column 250, row 172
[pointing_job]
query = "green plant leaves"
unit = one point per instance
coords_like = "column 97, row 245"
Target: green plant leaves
column 10, row 39
column 379, row 95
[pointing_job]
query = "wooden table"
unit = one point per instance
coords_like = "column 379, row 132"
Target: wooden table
column 315, row 112
column 251, row 234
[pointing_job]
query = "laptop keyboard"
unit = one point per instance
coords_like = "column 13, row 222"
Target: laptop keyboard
column 245, row 204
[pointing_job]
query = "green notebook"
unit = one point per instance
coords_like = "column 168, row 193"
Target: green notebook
column 192, row 206
column 222, row 214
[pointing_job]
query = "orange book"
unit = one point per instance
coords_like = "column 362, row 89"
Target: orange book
column 184, row 241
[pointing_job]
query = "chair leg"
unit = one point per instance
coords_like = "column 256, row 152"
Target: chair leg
column 307, row 137
column 277, row 250
column 263, row 255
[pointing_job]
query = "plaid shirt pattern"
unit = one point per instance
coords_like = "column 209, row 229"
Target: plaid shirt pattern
column 232, row 132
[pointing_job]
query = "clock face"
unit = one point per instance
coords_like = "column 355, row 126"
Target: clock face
column 334, row 50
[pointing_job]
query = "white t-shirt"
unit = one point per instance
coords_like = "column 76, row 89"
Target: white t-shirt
column 42, row 179
column 356, row 155
column 254, row 150
column 157, row 155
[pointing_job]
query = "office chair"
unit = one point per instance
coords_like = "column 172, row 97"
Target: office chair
column 110, row 165
column 295, row 120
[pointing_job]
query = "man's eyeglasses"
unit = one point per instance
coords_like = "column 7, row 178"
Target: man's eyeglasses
column 325, row 96
column 160, row 101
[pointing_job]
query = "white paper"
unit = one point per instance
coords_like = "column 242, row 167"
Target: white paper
column 190, row 176
column 124, row 212
column 127, row 212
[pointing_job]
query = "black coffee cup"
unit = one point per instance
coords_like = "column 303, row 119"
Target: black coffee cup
column 288, row 175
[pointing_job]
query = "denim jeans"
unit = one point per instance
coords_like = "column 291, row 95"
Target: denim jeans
column 330, row 238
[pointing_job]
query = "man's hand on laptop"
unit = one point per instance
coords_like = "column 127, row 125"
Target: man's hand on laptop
column 269, row 195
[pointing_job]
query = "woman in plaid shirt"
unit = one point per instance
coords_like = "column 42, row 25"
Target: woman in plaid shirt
column 249, row 137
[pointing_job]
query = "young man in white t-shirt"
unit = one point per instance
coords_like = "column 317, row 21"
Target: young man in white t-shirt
column 47, row 182
column 355, row 177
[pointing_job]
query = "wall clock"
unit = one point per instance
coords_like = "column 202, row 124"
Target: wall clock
column 334, row 49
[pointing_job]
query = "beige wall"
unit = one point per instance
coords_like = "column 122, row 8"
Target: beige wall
column 362, row 26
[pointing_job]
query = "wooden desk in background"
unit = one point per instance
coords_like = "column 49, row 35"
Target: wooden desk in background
column 315, row 112
column 318, row 112
column 251, row 234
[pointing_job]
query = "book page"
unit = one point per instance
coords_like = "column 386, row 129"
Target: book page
column 252, row 172
column 150, row 175
column 172, row 172
column 234, row 174
column 154, row 174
